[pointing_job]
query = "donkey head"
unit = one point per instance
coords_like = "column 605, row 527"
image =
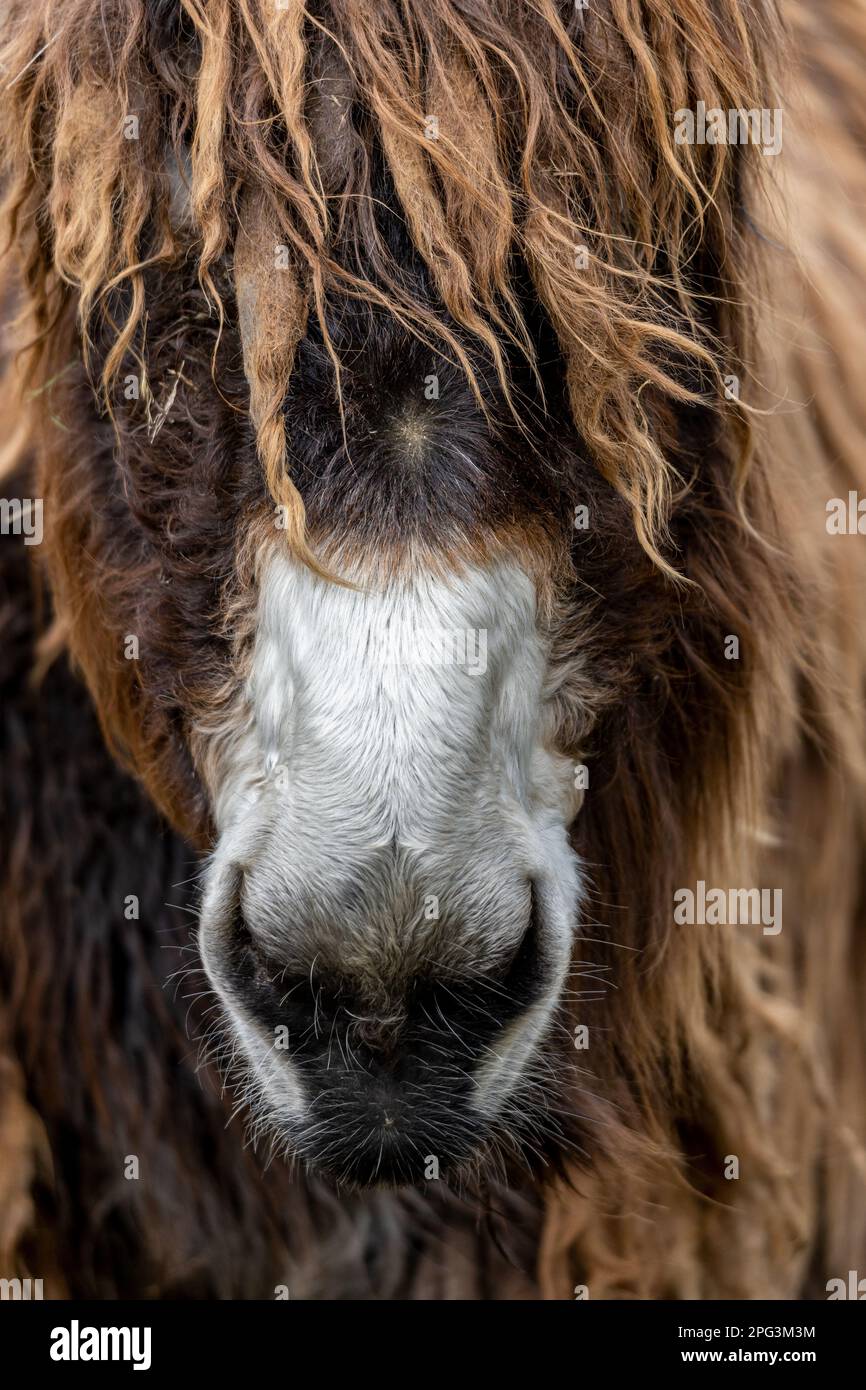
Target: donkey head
column 391, row 900
column 380, row 413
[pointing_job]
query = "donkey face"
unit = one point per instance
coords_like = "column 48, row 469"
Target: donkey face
column 292, row 326
column 390, row 904
column 374, row 760
column 389, row 909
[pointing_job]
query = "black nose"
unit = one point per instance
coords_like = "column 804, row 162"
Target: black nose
column 376, row 1128
column 388, row 1072
column 388, row 1087
column 388, row 1091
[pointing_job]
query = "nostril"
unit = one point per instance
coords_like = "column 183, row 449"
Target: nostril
column 276, row 985
column 249, row 952
column 524, row 977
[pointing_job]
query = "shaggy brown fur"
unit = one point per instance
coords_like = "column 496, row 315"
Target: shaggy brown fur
column 708, row 519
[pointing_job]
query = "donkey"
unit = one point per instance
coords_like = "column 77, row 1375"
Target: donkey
column 434, row 432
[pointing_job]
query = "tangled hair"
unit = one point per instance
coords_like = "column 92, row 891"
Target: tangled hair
column 553, row 151
column 529, row 148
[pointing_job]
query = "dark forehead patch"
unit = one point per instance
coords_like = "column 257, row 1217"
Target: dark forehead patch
column 412, row 455
column 405, row 450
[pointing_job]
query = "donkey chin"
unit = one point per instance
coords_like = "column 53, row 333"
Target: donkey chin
column 389, row 911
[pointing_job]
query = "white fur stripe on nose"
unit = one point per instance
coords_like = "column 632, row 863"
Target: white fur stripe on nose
column 396, row 692
column 388, row 793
